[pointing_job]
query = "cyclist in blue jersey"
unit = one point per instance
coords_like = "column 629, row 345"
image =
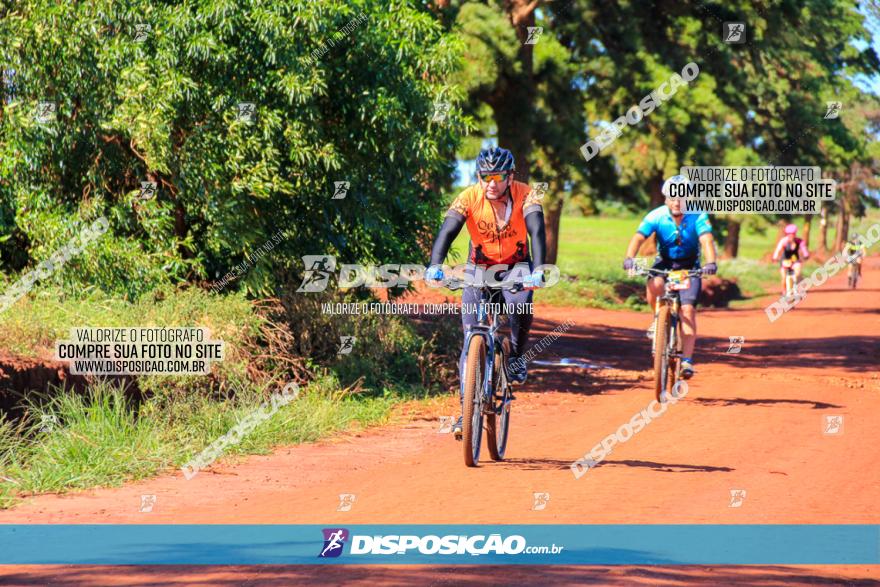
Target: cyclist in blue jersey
column 679, row 238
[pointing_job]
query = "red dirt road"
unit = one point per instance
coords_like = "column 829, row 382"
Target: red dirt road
column 753, row 421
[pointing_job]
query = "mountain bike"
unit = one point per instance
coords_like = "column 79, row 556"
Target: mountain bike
column 485, row 397
column 667, row 332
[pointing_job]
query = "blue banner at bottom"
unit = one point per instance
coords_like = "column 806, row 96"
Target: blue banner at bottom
column 695, row 544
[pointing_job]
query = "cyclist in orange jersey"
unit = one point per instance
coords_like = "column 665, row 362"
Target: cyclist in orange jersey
column 503, row 217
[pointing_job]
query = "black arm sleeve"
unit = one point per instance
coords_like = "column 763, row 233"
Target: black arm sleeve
column 535, row 224
column 450, row 229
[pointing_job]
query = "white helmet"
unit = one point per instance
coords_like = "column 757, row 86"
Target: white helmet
column 670, row 181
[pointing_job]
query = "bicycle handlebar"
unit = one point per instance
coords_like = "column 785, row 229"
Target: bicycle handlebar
column 456, row 284
column 664, row 272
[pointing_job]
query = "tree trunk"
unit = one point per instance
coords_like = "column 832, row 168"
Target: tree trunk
column 514, row 104
column 655, row 189
column 731, row 243
column 842, row 227
column 552, row 216
column 181, row 229
column 655, row 185
column 823, row 231
column 848, row 203
column 808, row 224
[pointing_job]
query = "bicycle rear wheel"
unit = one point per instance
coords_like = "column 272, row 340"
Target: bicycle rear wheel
column 472, row 418
column 498, row 423
column 661, row 356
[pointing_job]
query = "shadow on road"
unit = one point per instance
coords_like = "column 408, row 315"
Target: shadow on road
column 534, row 464
column 419, row 575
column 666, row 467
column 826, row 310
column 719, row 401
column 839, row 290
column 575, row 380
column 849, row 353
column 616, row 347
column 626, row 350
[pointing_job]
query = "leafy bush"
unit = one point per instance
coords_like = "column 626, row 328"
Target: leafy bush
column 343, row 91
column 395, row 352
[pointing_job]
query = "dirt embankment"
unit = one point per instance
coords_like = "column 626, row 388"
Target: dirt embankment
column 22, row 376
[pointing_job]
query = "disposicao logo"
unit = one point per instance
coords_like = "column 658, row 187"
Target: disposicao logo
column 334, row 540
column 450, row 544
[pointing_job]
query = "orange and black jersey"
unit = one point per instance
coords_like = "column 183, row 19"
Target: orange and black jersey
column 492, row 244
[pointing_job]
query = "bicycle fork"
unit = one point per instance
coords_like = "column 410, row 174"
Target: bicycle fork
column 673, row 334
column 657, row 304
column 499, row 393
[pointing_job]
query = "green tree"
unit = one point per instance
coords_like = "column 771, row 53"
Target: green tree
column 522, row 88
column 756, row 103
column 342, row 92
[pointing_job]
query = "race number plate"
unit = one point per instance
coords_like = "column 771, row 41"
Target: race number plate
column 679, row 280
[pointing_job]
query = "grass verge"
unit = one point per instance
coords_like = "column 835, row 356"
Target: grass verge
column 102, row 439
column 99, row 434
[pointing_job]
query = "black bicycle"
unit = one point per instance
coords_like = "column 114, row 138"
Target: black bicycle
column 485, row 397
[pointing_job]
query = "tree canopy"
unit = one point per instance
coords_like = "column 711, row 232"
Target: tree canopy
column 336, row 124
column 340, row 91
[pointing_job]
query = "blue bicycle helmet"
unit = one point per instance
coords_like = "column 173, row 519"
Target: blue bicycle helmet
column 494, row 160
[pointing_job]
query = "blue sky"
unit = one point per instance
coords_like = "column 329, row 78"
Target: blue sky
column 871, row 84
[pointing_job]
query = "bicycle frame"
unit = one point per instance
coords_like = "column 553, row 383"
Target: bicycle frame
column 673, row 298
column 790, row 276
column 854, row 272
column 486, row 327
column 668, row 353
column 670, row 296
column 491, row 399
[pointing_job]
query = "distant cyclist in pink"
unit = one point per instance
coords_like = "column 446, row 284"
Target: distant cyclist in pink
column 790, row 249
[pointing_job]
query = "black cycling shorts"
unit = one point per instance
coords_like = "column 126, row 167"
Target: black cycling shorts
column 690, row 295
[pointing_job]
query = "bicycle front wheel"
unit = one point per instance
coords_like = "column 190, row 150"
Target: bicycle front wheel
column 673, row 353
column 661, row 354
column 498, row 422
column 472, row 418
